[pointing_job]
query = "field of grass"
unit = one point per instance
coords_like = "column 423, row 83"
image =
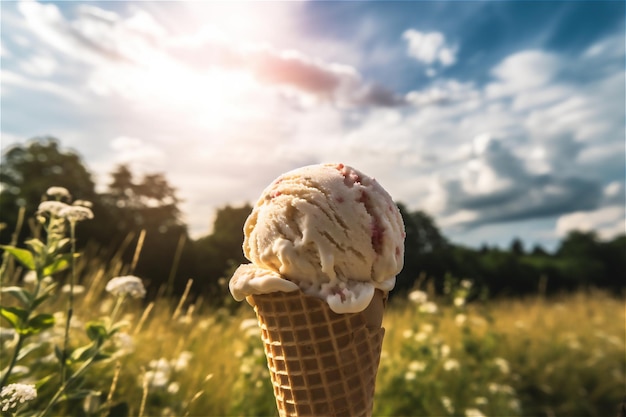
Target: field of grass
column 442, row 356
column 557, row 357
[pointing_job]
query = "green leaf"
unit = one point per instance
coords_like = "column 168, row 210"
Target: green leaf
column 40, row 383
column 118, row 326
column 36, row 245
column 84, row 352
column 79, row 394
column 19, row 293
column 61, row 243
column 59, row 264
column 14, row 315
column 58, row 353
column 101, row 356
column 45, row 294
column 28, row 348
column 23, row 256
column 96, row 331
column 40, row 322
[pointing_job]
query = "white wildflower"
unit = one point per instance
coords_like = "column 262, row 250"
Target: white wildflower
column 14, row 394
column 75, row 214
column 245, row 368
column 78, row 289
column 51, row 207
column 248, row 323
column 407, row 333
column 250, row 327
column 173, row 387
column 466, row 283
column 495, row 388
column 481, row 400
column 83, row 203
column 428, row 307
column 157, row 379
column 30, row 277
column 409, row 376
column 515, row 405
column 451, row 364
column 160, row 365
column 444, row 351
column 421, row 336
column 474, row 412
column 447, row 404
column 416, row 366
column 182, row 362
column 459, row 301
column 58, row 192
column 126, row 285
column 124, row 343
column 502, row 364
column 159, row 374
column 428, row 328
column 460, row 319
column 418, row 297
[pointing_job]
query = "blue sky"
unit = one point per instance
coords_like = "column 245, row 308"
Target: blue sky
column 500, row 119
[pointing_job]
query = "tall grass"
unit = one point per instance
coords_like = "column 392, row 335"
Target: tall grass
column 563, row 356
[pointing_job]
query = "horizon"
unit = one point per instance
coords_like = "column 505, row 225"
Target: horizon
column 501, row 120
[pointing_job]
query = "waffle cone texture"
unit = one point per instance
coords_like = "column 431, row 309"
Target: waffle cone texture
column 321, row 363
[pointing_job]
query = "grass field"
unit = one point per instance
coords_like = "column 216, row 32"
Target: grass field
column 558, row 357
column 94, row 347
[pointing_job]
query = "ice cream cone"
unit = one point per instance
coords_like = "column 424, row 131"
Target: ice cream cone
column 321, row 363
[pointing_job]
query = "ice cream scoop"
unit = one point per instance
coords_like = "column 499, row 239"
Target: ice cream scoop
column 328, row 230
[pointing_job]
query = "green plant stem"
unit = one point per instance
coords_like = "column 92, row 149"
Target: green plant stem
column 21, row 337
column 118, row 303
column 14, row 237
column 18, row 347
column 70, row 302
column 71, row 379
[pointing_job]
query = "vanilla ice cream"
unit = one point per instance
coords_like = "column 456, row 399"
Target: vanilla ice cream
column 328, row 230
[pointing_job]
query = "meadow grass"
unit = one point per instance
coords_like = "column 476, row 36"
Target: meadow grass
column 562, row 356
column 442, row 356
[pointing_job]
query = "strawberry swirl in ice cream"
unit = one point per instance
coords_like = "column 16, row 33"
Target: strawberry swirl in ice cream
column 328, row 230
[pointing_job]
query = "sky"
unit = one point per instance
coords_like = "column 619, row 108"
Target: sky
column 500, row 119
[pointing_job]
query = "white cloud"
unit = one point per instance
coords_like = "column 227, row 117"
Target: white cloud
column 524, row 70
column 222, row 110
column 137, row 153
column 429, row 48
column 608, row 222
column 12, row 79
column 4, row 52
column 40, row 65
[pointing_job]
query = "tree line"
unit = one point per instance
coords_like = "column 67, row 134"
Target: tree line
column 144, row 210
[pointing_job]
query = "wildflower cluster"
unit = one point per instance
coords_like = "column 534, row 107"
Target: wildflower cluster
column 431, row 376
column 126, row 285
column 253, row 374
column 50, row 334
column 13, row 395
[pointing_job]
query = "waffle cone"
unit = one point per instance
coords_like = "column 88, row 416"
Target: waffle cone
column 321, row 363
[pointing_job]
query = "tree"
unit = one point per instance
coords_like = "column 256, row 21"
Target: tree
column 149, row 203
column 517, row 247
column 426, row 249
column 28, row 170
column 218, row 254
column 149, row 206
